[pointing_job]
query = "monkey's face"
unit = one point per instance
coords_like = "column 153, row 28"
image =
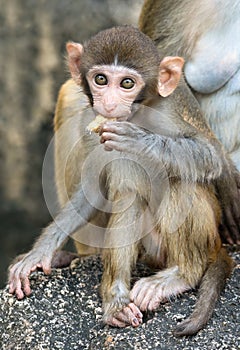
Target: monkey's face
column 108, row 78
column 114, row 89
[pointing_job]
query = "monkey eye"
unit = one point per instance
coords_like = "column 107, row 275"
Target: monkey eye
column 127, row 83
column 100, row 79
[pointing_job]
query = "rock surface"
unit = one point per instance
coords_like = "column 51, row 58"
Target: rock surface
column 64, row 312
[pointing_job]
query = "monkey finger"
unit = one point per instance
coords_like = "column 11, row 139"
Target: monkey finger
column 224, row 234
column 112, row 127
column 107, row 148
column 236, row 214
column 18, row 291
column 231, row 225
column 237, row 179
column 24, row 278
column 235, row 206
column 46, row 264
column 109, row 136
column 113, row 145
column 14, row 284
column 26, row 285
column 120, row 128
column 14, row 279
column 19, row 285
column 127, row 316
column 136, row 311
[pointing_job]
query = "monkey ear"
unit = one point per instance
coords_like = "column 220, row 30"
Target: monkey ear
column 170, row 70
column 75, row 51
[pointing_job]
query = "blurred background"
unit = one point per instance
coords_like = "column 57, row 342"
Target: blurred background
column 33, row 34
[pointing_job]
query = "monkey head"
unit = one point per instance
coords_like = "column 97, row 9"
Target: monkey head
column 120, row 66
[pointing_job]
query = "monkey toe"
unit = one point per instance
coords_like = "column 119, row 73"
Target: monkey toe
column 130, row 315
column 135, row 310
column 154, row 303
column 115, row 322
column 187, row 327
column 143, row 295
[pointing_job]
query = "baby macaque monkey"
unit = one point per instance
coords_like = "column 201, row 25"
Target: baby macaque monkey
column 120, row 71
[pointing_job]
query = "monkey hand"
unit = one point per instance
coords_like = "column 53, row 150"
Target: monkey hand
column 229, row 196
column 124, row 137
column 129, row 315
column 19, row 272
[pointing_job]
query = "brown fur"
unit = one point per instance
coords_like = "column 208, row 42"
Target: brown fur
column 134, row 50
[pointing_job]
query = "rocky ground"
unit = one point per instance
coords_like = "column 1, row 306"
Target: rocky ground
column 64, row 312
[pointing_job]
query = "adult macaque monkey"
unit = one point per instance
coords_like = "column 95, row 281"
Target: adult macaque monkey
column 206, row 34
column 117, row 68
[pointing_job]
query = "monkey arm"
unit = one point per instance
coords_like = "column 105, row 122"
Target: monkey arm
column 179, row 154
column 215, row 59
column 76, row 213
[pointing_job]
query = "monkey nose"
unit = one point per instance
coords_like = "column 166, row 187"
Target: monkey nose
column 110, row 108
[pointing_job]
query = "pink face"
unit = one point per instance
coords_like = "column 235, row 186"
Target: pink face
column 114, row 89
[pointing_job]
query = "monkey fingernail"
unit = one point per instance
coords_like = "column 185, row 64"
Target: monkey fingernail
column 135, row 322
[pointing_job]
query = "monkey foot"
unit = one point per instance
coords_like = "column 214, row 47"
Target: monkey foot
column 149, row 292
column 189, row 326
column 130, row 315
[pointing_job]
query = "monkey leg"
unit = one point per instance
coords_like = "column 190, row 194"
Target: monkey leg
column 191, row 252
column 118, row 310
column 122, row 236
column 183, row 253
